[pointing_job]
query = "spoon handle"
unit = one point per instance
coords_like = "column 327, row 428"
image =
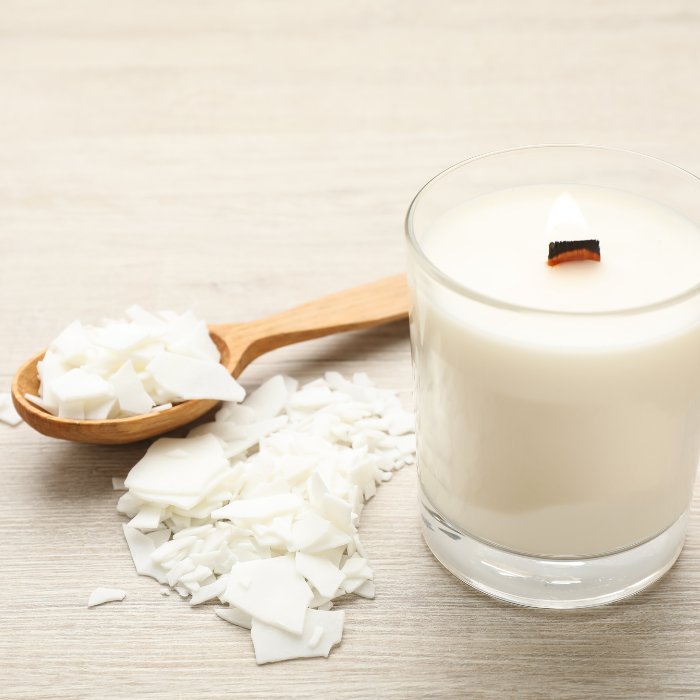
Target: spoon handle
column 370, row 305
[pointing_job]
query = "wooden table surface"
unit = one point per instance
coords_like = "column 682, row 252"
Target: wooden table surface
column 239, row 158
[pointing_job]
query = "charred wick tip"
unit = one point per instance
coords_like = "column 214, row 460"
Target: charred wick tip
column 570, row 251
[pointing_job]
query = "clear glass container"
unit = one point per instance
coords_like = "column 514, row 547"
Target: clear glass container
column 557, row 450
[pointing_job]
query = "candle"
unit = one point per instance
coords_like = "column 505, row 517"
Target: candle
column 558, row 408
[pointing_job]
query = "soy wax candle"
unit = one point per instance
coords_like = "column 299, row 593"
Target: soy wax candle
column 557, row 406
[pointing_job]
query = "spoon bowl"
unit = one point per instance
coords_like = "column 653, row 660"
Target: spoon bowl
column 239, row 344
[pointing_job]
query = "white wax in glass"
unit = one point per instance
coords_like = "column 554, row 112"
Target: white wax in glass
column 497, row 246
column 579, row 437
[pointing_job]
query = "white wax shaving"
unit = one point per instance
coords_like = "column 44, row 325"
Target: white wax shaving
column 141, row 547
column 321, row 631
column 271, row 590
column 319, row 572
column 269, row 399
column 264, row 508
column 235, row 617
column 105, row 595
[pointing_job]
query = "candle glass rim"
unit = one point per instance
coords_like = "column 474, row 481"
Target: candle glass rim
column 466, row 291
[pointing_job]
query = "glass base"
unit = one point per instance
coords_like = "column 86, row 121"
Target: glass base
column 549, row 583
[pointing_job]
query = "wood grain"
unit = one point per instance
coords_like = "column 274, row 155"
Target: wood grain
column 241, row 158
column 366, row 306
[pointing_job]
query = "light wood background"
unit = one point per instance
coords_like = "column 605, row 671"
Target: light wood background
column 242, row 157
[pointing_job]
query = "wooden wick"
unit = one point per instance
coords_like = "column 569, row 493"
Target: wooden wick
column 572, row 251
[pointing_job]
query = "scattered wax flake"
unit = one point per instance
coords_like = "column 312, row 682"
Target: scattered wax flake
column 165, row 591
column 314, row 398
column 291, row 385
column 273, row 644
column 171, row 548
column 7, row 411
column 232, row 412
column 259, row 508
column 309, row 531
column 406, row 444
column 194, row 379
column 268, row 399
column 235, row 617
column 319, row 572
column 357, row 566
column 147, row 518
column 332, row 539
column 362, row 379
column 275, row 593
column 105, row 595
column 338, row 512
column 200, row 531
column 171, row 499
column 213, row 590
column 366, row 590
column 178, row 454
column 351, row 585
column 141, row 547
column 199, row 575
column 182, row 568
column 240, row 437
column 157, row 472
column 401, row 422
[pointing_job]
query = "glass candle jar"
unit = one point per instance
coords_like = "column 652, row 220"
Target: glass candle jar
column 557, row 407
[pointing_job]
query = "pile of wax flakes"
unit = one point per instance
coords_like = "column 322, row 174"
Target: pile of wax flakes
column 260, row 508
column 130, row 367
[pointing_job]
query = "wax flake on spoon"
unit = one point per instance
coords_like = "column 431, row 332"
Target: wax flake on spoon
column 120, row 337
column 79, row 385
column 197, row 343
column 71, row 344
column 133, row 398
column 100, row 373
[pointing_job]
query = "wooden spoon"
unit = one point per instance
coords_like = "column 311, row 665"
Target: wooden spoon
column 239, row 344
